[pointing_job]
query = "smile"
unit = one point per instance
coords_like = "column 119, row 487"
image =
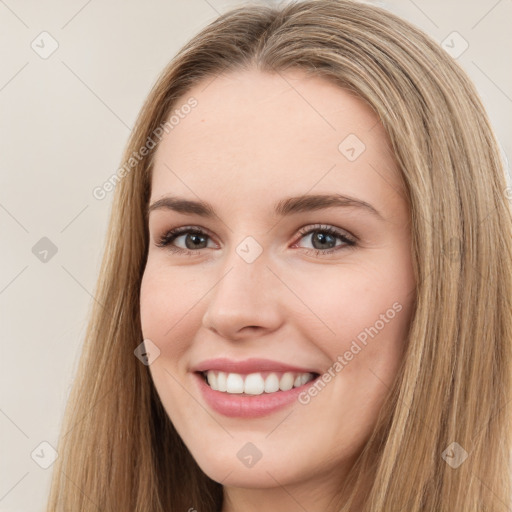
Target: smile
column 256, row 383
column 246, row 405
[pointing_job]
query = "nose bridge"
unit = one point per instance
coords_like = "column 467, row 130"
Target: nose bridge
column 246, row 293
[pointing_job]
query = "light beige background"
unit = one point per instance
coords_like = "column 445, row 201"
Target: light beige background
column 64, row 122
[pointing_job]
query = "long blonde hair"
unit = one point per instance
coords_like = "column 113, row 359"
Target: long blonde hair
column 118, row 450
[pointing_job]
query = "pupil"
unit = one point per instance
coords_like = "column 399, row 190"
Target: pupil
column 322, row 238
column 195, row 237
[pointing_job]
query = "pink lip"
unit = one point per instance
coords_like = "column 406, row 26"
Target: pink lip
column 251, row 365
column 247, row 406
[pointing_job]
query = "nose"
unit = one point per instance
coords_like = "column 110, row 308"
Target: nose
column 246, row 298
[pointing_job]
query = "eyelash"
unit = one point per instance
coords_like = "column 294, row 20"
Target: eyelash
column 167, row 238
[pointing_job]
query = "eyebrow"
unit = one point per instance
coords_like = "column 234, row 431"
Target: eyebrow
column 288, row 206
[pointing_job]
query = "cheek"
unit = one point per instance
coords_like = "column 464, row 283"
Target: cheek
column 361, row 315
column 346, row 301
column 166, row 306
column 165, row 310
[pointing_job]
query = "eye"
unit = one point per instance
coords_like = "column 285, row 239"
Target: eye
column 322, row 237
column 192, row 244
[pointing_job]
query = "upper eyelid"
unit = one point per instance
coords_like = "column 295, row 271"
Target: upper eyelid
column 319, row 227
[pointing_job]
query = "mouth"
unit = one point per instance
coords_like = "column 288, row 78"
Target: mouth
column 257, row 383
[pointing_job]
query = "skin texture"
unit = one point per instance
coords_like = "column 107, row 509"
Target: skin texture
column 254, row 139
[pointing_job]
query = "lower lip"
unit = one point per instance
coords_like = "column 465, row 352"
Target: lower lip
column 248, row 406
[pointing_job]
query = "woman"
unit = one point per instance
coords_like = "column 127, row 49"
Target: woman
column 258, row 373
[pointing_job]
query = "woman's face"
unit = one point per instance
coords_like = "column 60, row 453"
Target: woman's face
column 259, row 277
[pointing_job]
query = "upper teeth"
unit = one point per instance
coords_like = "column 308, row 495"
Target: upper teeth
column 255, row 383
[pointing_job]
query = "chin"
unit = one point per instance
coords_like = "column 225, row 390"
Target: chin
column 231, row 471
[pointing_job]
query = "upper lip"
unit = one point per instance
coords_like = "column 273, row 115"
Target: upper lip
column 252, row 365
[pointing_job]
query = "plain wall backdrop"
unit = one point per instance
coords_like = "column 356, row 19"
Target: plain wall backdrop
column 73, row 78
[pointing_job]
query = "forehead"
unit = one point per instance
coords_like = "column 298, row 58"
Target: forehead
column 262, row 136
